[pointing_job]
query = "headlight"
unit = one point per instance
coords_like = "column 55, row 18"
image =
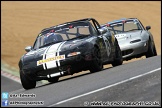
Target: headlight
column 73, row 54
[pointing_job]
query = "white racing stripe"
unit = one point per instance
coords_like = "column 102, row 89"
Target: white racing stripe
column 75, row 97
column 52, row 53
column 49, row 53
column 44, row 57
column 59, row 51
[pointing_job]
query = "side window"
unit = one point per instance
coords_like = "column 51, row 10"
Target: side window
column 139, row 27
column 95, row 27
column 141, row 24
column 38, row 43
column 94, row 32
column 35, row 44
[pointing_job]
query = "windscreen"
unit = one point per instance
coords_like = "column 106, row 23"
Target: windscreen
column 62, row 33
column 126, row 26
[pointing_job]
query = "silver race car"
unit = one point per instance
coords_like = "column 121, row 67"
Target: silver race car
column 134, row 40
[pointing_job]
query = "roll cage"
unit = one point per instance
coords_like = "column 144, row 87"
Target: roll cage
column 121, row 23
column 92, row 23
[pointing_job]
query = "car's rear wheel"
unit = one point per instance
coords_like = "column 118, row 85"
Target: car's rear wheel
column 53, row 80
column 26, row 82
column 118, row 56
column 96, row 63
column 151, row 50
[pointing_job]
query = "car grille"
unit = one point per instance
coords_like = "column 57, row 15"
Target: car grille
column 46, row 72
column 137, row 40
column 126, row 52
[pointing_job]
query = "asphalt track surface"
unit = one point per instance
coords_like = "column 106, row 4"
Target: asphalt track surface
column 134, row 81
column 8, row 85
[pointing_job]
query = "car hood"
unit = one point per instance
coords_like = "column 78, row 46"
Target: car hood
column 53, row 50
column 128, row 35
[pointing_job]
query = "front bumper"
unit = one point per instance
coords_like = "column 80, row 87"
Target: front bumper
column 67, row 66
column 133, row 49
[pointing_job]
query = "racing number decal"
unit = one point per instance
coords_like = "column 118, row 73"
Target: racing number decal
column 101, row 45
column 108, row 47
column 113, row 38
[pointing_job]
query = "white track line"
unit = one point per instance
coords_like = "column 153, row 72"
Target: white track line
column 105, row 87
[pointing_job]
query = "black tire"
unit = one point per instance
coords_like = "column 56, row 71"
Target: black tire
column 26, row 83
column 118, row 56
column 155, row 53
column 96, row 64
column 53, row 80
column 151, row 50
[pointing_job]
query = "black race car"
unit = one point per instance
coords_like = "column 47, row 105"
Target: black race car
column 66, row 49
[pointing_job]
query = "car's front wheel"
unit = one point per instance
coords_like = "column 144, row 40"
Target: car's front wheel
column 118, row 56
column 151, row 50
column 96, row 64
column 26, row 82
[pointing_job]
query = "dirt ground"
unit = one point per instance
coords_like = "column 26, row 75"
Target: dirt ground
column 21, row 21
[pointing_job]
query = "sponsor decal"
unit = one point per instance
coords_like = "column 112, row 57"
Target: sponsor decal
column 61, row 57
column 120, row 35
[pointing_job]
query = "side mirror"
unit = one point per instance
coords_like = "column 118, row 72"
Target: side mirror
column 28, row 48
column 148, row 27
column 102, row 30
